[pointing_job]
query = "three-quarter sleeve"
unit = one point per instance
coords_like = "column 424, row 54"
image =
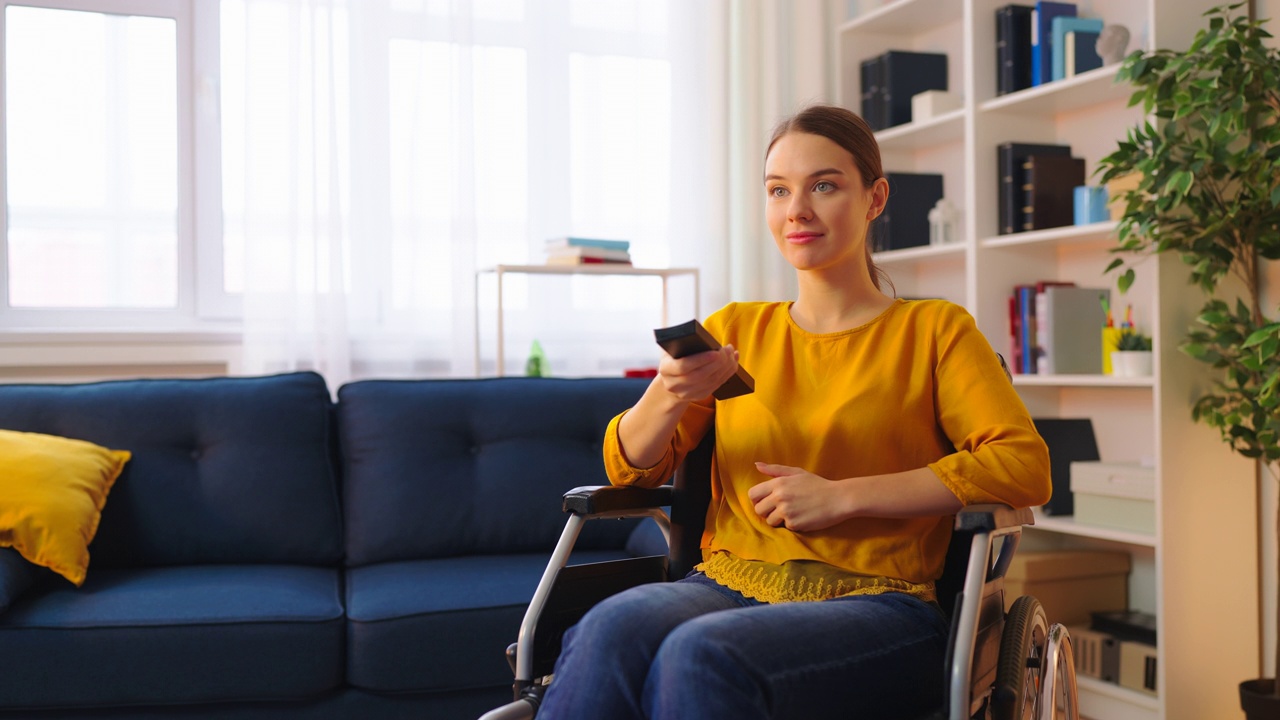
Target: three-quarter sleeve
column 999, row 455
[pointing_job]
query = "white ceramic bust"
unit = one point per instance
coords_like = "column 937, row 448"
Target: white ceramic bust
column 1112, row 44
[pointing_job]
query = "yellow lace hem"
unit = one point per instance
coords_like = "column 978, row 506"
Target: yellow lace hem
column 800, row 580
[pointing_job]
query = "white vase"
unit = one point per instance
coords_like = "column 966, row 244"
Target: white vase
column 1131, row 363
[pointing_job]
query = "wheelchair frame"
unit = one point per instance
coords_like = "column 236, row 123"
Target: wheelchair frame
column 978, row 639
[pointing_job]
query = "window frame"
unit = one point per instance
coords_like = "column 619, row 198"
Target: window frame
column 200, row 296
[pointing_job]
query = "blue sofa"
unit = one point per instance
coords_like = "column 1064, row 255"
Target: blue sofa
column 270, row 553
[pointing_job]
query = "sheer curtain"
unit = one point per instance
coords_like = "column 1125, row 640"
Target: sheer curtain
column 377, row 154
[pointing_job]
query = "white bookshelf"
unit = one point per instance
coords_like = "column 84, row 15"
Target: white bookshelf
column 1200, row 566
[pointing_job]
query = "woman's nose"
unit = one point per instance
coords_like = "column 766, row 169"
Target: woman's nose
column 801, row 208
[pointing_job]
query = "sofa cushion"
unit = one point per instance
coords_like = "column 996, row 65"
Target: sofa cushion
column 440, row 468
column 174, row 635
column 52, row 490
column 427, row 625
column 224, row 470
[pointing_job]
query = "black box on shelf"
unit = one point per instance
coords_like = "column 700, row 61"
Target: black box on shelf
column 891, row 79
column 905, row 220
column 1132, row 625
column 1069, row 439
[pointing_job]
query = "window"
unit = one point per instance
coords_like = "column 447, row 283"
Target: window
column 100, row 162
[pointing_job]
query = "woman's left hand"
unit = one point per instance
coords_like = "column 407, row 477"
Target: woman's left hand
column 796, row 498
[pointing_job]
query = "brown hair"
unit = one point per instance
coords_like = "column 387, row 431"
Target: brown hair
column 848, row 130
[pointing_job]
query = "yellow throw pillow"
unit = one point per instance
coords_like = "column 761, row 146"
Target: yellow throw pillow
column 52, row 490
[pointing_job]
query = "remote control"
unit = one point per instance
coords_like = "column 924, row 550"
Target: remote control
column 691, row 338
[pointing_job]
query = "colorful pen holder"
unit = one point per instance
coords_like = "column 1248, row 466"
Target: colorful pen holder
column 1110, row 341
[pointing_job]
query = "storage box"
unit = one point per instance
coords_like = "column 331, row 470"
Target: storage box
column 1115, row 495
column 1097, row 654
column 1138, row 666
column 1070, row 584
column 932, row 103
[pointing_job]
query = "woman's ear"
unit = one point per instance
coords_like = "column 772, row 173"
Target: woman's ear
column 879, row 198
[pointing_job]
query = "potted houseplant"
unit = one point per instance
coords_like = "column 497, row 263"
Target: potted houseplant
column 1208, row 189
column 1132, row 356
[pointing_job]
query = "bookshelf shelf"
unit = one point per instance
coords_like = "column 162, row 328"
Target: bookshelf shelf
column 1067, row 525
column 1102, row 232
column 1083, row 381
column 1100, row 699
column 1204, row 528
column 945, row 128
column 1072, row 94
column 920, row 254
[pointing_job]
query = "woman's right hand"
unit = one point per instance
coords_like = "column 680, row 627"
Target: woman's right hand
column 694, row 377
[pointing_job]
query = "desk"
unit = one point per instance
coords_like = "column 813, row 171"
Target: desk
column 602, row 269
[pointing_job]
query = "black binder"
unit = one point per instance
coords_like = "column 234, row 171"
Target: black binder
column 1069, row 440
column 905, row 74
column 905, row 220
column 1012, row 198
column 1013, row 48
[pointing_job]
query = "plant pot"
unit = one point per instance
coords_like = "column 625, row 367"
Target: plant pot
column 1257, row 700
column 1131, row 363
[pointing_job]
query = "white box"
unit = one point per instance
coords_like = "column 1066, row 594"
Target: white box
column 932, row 103
column 1115, row 495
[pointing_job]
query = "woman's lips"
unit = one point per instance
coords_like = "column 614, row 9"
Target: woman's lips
column 800, row 238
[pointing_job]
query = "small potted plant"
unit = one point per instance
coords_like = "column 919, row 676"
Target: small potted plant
column 1132, row 356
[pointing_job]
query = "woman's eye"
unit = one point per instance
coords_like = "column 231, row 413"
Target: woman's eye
column 777, row 191
column 824, row 186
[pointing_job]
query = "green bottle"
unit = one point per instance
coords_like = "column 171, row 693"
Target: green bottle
column 536, row 365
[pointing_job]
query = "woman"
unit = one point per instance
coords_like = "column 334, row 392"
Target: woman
column 873, row 421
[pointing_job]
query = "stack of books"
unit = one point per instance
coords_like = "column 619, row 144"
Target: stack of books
column 1041, row 43
column 587, row 251
column 1055, row 328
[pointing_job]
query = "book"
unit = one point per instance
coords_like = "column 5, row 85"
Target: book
column 1013, row 48
column 1010, row 199
column 1044, row 342
column 1042, row 38
column 905, row 220
column 571, row 241
column 1049, row 190
column 905, row 74
column 1074, row 319
column 1080, row 52
column 588, row 252
column 1027, row 317
column 583, row 260
column 1061, row 26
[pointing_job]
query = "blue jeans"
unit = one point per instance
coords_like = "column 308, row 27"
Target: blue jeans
column 695, row 649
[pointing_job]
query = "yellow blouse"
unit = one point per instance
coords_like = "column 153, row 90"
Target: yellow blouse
column 917, row 386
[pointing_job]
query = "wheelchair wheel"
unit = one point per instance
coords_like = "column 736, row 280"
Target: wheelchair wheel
column 1020, row 672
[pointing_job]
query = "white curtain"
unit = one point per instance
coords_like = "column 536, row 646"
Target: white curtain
column 379, row 154
column 780, row 62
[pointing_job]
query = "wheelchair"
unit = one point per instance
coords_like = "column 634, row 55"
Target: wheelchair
column 1000, row 665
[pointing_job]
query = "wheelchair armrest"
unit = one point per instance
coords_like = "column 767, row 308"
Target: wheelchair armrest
column 993, row 516
column 590, row 500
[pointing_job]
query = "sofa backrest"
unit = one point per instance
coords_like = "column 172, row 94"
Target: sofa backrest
column 224, row 470
column 440, row 468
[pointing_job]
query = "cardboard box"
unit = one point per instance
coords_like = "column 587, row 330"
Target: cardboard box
column 1115, row 495
column 1070, row 584
column 1138, row 666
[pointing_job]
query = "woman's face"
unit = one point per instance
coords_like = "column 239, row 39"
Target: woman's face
column 816, row 205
